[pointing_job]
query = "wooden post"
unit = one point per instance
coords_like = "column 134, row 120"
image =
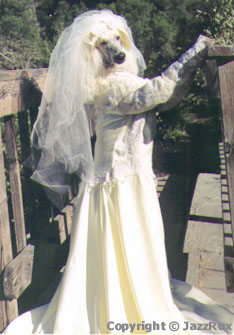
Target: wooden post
column 23, row 121
column 15, row 183
column 8, row 309
column 226, row 75
column 212, row 79
column 18, row 273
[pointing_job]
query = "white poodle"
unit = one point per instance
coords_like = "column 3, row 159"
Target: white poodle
column 88, row 52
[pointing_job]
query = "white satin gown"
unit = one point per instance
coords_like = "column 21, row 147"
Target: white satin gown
column 117, row 271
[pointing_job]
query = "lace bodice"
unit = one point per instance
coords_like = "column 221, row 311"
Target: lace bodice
column 124, row 146
column 125, row 126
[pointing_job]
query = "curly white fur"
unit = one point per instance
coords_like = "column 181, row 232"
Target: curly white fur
column 94, row 52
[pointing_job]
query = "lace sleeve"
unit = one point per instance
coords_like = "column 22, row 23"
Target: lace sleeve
column 166, row 90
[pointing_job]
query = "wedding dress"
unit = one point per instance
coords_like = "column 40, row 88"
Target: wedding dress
column 117, row 273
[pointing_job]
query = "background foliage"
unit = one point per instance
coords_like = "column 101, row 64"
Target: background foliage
column 162, row 29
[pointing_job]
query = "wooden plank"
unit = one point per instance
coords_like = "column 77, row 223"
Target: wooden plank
column 161, row 181
column 222, row 297
column 30, row 94
column 24, row 133
column 9, row 95
column 18, row 273
column 11, row 88
column 45, row 268
column 211, row 70
column 206, row 200
column 203, row 236
column 226, row 75
column 64, row 222
column 227, row 228
column 6, row 248
column 228, row 241
column 206, row 271
column 229, row 274
column 15, row 183
column 204, row 230
column 211, row 279
column 211, row 260
column 38, row 74
column 8, row 310
column 60, row 226
column 192, row 275
column 221, row 51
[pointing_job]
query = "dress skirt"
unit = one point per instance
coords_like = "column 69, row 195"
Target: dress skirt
column 117, row 274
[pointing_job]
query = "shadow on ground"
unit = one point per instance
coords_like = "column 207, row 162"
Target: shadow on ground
column 175, row 201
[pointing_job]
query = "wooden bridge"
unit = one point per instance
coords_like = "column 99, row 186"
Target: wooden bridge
column 34, row 243
column 210, row 227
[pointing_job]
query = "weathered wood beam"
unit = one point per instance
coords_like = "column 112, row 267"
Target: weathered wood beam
column 8, row 309
column 226, row 75
column 204, row 231
column 15, row 183
column 18, row 273
column 64, row 222
column 204, row 241
column 218, row 51
column 38, row 74
column 212, row 79
column 11, row 86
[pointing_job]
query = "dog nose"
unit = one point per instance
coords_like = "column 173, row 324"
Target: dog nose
column 119, row 58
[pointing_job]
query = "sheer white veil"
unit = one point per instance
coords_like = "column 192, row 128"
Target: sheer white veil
column 62, row 132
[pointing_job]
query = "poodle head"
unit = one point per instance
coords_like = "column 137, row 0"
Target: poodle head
column 111, row 47
column 112, row 43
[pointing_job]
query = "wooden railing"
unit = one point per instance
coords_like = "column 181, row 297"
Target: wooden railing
column 221, row 87
column 20, row 94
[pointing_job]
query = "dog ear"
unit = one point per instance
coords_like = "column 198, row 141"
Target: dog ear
column 124, row 39
column 91, row 39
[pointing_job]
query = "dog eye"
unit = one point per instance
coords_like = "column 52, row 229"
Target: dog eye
column 118, row 38
column 104, row 43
